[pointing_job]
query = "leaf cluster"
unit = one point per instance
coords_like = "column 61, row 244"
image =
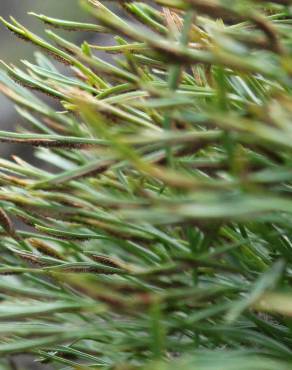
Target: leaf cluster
column 160, row 236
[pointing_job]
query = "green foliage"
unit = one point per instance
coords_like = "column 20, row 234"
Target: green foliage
column 160, row 235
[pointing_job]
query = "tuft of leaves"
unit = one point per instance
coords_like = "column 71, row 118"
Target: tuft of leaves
column 162, row 236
